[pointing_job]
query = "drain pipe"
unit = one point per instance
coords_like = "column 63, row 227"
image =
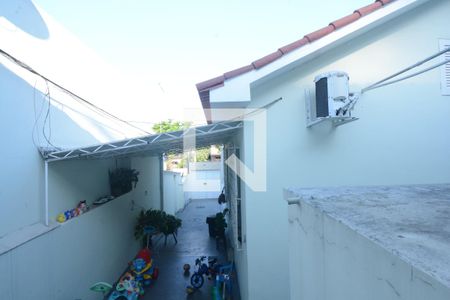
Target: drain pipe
column 46, row 192
column 293, row 201
column 161, row 182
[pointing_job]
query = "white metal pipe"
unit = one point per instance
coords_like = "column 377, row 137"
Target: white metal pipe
column 293, row 201
column 46, row 192
column 405, row 70
column 409, row 76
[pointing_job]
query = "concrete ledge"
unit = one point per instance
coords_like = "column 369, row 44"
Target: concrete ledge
column 411, row 222
column 15, row 239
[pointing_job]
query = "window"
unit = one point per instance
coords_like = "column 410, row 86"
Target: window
column 445, row 69
column 233, row 189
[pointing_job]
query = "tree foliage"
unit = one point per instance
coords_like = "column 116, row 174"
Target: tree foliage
column 201, row 154
column 170, row 125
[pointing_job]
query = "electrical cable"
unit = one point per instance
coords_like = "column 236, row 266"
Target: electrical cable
column 378, row 83
column 47, row 117
column 90, row 117
column 28, row 68
column 36, row 118
column 255, row 110
column 407, row 77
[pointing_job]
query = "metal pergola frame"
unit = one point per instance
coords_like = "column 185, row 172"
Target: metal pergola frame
column 155, row 144
column 216, row 133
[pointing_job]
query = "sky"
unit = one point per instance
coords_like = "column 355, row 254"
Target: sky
column 174, row 44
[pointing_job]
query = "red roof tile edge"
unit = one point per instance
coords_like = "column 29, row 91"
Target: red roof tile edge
column 309, row 38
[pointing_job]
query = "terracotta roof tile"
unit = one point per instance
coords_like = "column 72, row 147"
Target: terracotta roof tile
column 292, row 46
column 369, row 8
column 205, row 86
column 314, row 36
column 204, row 98
column 238, row 71
column 267, row 59
column 345, row 20
column 216, row 81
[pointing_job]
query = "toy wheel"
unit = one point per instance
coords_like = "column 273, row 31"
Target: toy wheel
column 197, row 280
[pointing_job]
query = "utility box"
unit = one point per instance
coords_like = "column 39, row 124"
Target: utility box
column 331, row 93
column 331, row 101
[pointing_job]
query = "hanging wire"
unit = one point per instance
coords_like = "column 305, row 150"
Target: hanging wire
column 72, row 94
column 36, row 118
column 48, row 118
column 89, row 117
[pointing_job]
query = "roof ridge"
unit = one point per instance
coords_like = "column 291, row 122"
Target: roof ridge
column 307, row 39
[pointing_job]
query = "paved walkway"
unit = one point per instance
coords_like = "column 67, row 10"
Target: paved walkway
column 193, row 241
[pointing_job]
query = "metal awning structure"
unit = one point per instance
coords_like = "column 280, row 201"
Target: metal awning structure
column 217, row 133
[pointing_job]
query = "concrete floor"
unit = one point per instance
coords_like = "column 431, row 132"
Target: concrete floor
column 193, row 241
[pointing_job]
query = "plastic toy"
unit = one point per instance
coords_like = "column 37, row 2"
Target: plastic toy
column 82, row 207
column 142, row 270
column 187, row 269
column 210, row 270
column 61, row 218
column 223, row 281
column 74, row 212
column 145, row 254
column 190, row 290
column 101, row 287
column 67, row 214
column 127, row 287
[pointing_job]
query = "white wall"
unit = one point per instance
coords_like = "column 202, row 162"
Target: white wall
column 33, row 37
column 147, row 192
column 173, row 192
column 62, row 263
column 76, row 180
column 204, row 180
column 65, row 262
column 401, row 137
column 240, row 255
column 22, row 173
column 335, row 262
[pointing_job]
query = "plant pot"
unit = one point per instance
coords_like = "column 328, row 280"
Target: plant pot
column 211, row 225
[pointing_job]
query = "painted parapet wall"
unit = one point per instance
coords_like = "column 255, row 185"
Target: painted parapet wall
column 65, row 262
column 330, row 260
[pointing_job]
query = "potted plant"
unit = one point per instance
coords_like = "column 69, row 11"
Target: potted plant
column 121, row 180
column 170, row 227
column 217, row 224
column 151, row 217
column 159, row 220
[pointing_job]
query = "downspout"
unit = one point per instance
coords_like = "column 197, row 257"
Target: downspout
column 46, row 191
column 161, row 183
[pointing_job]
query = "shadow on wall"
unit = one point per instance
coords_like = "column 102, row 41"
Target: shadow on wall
column 24, row 15
column 27, row 108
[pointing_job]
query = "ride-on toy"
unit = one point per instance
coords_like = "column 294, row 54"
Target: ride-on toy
column 209, row 270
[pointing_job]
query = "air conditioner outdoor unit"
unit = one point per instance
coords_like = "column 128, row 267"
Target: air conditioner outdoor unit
column 332, row 101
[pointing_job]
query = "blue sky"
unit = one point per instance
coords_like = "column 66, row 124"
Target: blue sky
column 175, row 44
